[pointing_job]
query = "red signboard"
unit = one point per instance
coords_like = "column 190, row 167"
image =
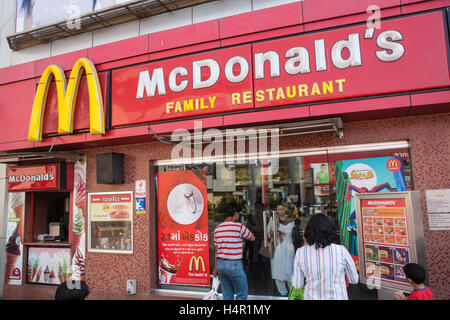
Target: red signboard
column 402, row 55
column 183, row 244
column 32, row 178
column 182, row 87
column 405, row 54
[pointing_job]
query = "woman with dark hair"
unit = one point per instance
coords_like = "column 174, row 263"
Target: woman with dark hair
column 322, row 266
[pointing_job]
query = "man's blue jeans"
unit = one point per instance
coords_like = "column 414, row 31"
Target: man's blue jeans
column 232, row 279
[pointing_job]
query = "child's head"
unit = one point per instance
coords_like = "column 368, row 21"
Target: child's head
column 414, row 272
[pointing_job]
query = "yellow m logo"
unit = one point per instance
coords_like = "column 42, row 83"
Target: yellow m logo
column 197, row 261
column 67, row 98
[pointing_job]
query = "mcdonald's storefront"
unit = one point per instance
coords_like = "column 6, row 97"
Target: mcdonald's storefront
column 120, row 163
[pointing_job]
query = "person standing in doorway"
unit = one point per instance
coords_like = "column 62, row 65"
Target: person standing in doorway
column 229, row 239
column 283, row 257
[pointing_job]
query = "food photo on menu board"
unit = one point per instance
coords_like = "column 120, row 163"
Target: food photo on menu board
column 183, row 243
column 110, row 218
column 48, row 265
column 385, row 238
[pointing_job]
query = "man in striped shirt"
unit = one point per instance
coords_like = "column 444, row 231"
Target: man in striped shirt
column 229, row 242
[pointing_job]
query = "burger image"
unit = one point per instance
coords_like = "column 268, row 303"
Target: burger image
column 371, row 268
column 119, row 211
column 384, row 270
column 369, row 253
column 383, row 254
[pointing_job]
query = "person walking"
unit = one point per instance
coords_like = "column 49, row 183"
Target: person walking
column 321, row 266
column 229, row 239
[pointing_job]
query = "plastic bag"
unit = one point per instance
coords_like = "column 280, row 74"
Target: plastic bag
column 213, row 294
column 296, row 294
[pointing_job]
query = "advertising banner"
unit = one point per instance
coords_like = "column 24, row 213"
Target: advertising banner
column 183, row 246
column 48, row 265
column 382, row 174
column 78, row 220
column 385, row 239
column 111, row 222
column 14, row 236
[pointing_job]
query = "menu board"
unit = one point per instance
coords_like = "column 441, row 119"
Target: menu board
column 183, row 243
column 111, row 222
column 385, row 239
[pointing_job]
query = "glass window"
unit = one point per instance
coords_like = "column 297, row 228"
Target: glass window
column 292, row 191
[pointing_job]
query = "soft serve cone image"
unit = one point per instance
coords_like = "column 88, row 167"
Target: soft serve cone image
column 12, row 253
column 34, row 269
column 38, row 274
column 78, row 261
column 77, row 225
column 44, row 259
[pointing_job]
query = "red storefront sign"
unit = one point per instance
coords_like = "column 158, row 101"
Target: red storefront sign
column 32, row 178
column 344, row 63
column 183, row 243
column 182, row 87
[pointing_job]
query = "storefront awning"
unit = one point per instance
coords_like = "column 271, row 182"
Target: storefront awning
column 100, row 19
column 335, row 125
column 23, row 158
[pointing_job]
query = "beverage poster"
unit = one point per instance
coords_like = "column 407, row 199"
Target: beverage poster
column 385, row 239
column 14, row 238
column 183, row 245
column 383, row 174
column 48, row 265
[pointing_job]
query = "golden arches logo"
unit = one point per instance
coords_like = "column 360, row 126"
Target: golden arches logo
column 67, row 98
column 196, row 261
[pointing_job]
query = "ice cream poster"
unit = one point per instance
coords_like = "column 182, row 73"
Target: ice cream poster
column 383, row 174
column 14, row 237
column 78, row 220
column 183, row 244
column 48, row 265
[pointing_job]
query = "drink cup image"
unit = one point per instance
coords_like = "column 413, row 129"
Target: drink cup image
column 185, row 203
column 167, row 271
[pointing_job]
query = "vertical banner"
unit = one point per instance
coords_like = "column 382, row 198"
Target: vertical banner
column 14, row 244
column 382, row 174
column 183, row 245
column 78, row 220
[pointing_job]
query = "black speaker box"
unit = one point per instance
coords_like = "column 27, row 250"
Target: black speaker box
column 110, row 168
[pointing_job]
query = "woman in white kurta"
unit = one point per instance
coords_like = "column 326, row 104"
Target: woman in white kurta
column 283, row 258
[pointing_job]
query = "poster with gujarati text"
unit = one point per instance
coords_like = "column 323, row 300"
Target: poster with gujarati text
column 385, row 239
column 383, row 174
column 183, row 245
